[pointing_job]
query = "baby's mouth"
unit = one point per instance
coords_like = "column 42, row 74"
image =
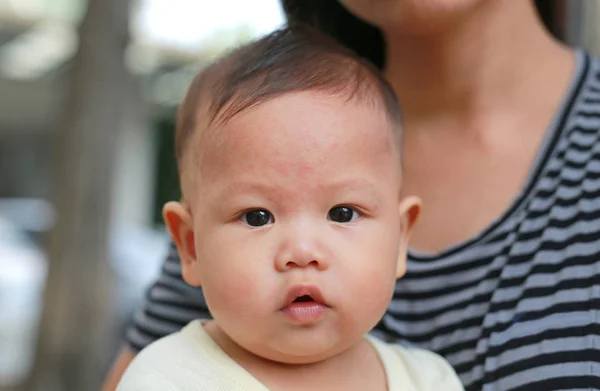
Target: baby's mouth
column 303, row 295
column 304, row 305
column 303, row 299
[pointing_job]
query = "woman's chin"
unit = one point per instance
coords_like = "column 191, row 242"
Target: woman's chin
column 412, row 17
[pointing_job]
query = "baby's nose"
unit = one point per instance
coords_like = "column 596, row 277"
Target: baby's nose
column 301, row 251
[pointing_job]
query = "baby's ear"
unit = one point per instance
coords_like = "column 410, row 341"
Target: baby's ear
column 409, row 209
column 179, row 223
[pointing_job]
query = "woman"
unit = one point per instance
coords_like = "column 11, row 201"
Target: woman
column 501, row 143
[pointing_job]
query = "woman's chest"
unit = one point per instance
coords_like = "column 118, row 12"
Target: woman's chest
column 520, row 305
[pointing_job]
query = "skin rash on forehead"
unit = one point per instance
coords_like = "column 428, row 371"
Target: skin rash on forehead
column 297, row 135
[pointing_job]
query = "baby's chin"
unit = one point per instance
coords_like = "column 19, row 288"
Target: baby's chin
column 302, row 346
column 303, row 351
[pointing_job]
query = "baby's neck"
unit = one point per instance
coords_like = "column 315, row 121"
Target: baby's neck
column 358, row 367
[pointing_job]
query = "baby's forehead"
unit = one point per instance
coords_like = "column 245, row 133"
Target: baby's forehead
column 307, row 136
column 294, row 111
column 307, row 123
column 286, row 61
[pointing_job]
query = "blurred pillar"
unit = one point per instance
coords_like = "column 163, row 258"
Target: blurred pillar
column 583, row 24
column 76, row 329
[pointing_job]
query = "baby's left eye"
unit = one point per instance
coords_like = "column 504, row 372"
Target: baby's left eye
column 257, row 218
column 343, row 214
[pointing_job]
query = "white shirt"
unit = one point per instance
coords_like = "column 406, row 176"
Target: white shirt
column 191, row 360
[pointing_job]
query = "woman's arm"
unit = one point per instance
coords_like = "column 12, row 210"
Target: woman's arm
column 126, row 355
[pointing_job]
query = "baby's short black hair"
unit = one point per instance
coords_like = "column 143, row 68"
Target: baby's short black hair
column 292, row 59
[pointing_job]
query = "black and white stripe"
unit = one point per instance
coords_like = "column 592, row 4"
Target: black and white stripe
column 518, row 306
column 170, row 304
column 515, row 308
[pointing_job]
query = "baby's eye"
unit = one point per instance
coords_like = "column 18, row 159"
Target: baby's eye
column 343, row 214
column 257, row 218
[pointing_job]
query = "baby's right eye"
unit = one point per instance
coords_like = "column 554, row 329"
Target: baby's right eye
column 257, row 218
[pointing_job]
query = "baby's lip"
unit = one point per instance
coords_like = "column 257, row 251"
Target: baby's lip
column 301, row 290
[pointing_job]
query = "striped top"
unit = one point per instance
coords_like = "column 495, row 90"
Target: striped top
column 515, row 308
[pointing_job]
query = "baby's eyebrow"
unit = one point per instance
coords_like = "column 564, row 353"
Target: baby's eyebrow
column 241, row 187
column 354, row 184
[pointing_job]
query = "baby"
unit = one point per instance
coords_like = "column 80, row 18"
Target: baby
column 293, row 222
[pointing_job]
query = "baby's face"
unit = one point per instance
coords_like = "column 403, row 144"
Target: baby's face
column 299, row 230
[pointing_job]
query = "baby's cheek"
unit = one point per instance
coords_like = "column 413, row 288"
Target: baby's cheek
column 232, row 295
column 375, row 285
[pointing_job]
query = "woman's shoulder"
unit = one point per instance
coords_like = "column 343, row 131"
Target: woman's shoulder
column 593, row 58
column 576, row 123
column 588, row 68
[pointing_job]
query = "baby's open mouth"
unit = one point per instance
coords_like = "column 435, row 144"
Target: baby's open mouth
column 304, row 295
column 303, row 299
column 304, row 305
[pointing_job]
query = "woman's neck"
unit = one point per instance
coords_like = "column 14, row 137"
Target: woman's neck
column 475, row 65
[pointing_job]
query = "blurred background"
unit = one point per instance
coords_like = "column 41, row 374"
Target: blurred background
column 88, row 93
